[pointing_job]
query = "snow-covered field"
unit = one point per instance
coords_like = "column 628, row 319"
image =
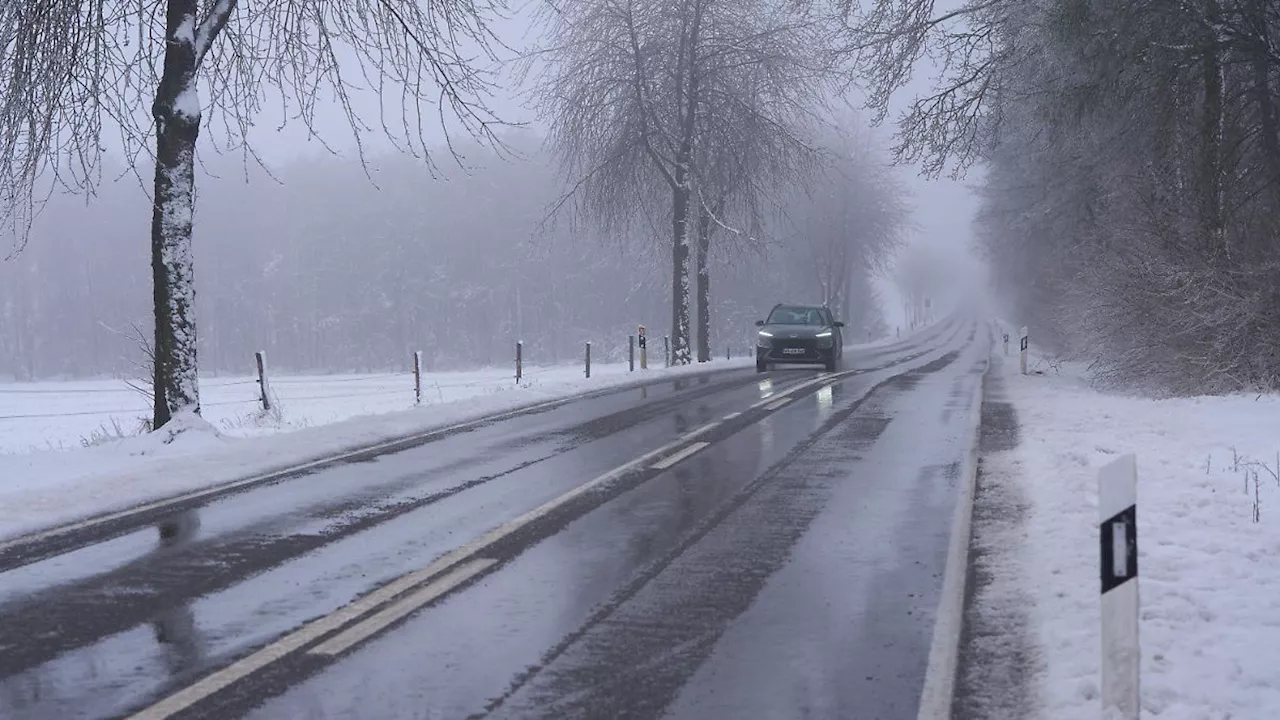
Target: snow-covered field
column 322, row 417
column 1209, row 542
column 69, row 415
column 69, row 450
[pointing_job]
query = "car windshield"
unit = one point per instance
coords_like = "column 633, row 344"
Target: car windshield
column 797, row 316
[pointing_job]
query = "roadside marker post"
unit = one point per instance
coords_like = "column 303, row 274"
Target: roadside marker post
column 644, row 352
column 1024, row 342
column 1118, row 554
column 417, row 377
column 264, row 392
column 588, row 360
column 519, row 360
column 1006, row 344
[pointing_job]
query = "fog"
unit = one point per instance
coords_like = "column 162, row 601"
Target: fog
column 331, row 260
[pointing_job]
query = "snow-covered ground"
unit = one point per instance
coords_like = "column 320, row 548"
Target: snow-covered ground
column 69, row 450
column 69, row 415
column 322, row 416
column 1209, row 541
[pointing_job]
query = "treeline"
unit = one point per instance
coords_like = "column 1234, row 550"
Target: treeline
column 330, row 266
column 1132, row 200
column 1131, row 159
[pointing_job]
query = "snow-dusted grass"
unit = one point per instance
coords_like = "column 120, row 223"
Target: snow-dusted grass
column 1209, row 572
column 69, row 450
column 43, row 489
column 70, row 415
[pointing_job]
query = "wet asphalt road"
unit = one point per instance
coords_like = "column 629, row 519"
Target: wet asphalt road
column 788, row 567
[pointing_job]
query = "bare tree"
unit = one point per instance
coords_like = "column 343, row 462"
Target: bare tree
column 954, row 124
column 850, row 217
column 645, row 94
column 756, row 146
column 72, row 71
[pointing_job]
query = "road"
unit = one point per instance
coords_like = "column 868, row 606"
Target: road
column 727, row 545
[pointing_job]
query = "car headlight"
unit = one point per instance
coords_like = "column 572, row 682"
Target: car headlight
column 825, row 342
column 763, row 339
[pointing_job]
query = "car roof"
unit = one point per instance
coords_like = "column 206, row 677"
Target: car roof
column 801, row 306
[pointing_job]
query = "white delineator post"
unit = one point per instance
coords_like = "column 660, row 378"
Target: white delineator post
column 1023, row 341
column 1006, row 344
column 1121, row 657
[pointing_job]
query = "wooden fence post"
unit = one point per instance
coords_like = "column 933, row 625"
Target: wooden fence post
column 261, row 358
column 417, row 377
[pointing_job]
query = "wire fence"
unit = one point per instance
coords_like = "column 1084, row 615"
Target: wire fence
column 84, row 398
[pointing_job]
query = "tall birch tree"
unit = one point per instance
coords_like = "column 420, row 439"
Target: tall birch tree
column 74, row 71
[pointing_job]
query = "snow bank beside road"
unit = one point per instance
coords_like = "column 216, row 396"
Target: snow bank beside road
column 44, row 489
column 58, row 415
column 1209, row 573
column 47, row 488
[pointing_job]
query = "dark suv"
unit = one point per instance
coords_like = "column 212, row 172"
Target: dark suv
column 799, row 334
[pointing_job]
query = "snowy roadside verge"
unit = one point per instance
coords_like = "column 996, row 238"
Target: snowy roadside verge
column 46, row 489
column 1208, row 468
column 68, row 415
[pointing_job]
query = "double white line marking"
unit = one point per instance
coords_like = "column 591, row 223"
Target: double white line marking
column 452, row 569
column 244, row 667
column 368, row 627
column 674, row 458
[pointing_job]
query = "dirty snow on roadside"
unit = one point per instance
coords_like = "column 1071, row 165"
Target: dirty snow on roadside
column 1209, row 541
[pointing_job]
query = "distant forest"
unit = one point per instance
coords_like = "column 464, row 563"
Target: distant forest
column 330, row 266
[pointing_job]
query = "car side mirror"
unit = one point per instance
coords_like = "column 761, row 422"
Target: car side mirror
column 759, row 323
column 838, row 324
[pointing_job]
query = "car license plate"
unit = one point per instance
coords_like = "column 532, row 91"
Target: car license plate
column 793, row 351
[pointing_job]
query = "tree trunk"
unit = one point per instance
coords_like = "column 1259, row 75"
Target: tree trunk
column 1210, row 145
column 705, row 229
column 177, row 117
column 680, row 351
column 1269, row 124
column 847, row 297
